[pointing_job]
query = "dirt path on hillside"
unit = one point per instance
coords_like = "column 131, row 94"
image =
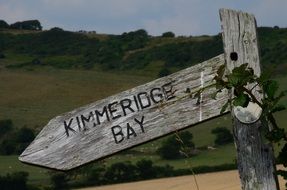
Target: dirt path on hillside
column 228, row 180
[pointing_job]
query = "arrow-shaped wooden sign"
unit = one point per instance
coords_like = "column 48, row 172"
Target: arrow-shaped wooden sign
column 127, row 119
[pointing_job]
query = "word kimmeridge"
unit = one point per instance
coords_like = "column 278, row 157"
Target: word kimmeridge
column 119, row 108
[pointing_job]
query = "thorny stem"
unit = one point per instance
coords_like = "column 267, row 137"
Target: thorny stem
column 189, row 94
column 187, row 156
column 270, row 116
column 249, row 92
column 254, row 87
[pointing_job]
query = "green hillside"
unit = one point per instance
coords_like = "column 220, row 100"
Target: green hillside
column 129, row 51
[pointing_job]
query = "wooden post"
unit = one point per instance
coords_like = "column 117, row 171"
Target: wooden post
column 255, row 158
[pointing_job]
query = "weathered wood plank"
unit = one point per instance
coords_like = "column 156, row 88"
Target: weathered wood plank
column 255, row 158
column 127, row 119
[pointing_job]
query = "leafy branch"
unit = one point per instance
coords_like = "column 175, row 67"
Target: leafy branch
column 243, row 76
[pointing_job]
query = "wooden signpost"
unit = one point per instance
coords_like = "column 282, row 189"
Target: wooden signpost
column 127, row 119
column 163, row 106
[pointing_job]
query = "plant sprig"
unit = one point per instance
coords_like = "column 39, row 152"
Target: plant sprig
column 243, row 76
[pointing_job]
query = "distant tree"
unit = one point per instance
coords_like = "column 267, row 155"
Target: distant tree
column 8, row 144
column 14, row 141
column 186, row 137
column 27, row 25
column 3, row 24
column 56, row 29
column 164, row 72
column 145, row 169
column 168, row 35
column 121, row 172
column 132, row 40
column 164, row 171
column 25, row 135
column 171, row 147
column 276, row 27
column 14, row 181
column 223, row 136
column 59, row 181
column 7, row 147
column 95, row 175
column 141, row 32
column 5, row 126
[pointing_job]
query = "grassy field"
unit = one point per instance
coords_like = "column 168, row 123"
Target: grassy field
column 228, row 180
column 9, row 164
column 32, row 97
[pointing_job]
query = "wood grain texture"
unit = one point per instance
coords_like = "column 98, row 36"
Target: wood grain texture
column 255, row 158
column 57, row 149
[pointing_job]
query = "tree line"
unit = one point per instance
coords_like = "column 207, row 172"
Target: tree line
column 14, row 140
column 22, row 25
column 130, row 50
column 100, row 174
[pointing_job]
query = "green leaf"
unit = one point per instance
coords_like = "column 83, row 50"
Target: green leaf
column 241, row 76
column 270, row 87
column 224, row 107
column 241, row 67
column 241, row 100
column 233, row 79
column 238, row 91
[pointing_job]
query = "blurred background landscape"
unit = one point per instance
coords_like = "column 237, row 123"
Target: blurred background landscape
column 44, row 73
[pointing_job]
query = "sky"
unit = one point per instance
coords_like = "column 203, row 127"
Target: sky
column 183, row 17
